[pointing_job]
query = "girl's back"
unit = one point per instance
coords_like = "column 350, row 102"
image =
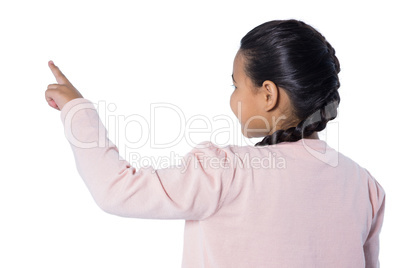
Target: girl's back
column 283, row 206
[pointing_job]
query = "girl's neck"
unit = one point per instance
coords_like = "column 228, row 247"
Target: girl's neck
column 312, row 136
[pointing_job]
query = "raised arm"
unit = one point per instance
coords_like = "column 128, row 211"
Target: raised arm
column 193, row 190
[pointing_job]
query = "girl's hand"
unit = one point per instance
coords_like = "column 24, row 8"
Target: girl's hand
column 57, row 95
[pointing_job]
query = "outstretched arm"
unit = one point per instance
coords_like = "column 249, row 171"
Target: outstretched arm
column 194, row 190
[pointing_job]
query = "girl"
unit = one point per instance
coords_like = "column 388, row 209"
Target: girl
column 317, row 208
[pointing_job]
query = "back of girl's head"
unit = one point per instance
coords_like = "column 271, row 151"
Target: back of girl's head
column 297, row 58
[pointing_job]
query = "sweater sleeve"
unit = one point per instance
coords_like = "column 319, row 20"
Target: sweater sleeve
column 372, row 245
column 193, row 190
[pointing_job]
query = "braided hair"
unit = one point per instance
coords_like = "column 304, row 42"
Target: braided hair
column 297, row 58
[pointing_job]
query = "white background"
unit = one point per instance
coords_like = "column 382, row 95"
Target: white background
column 134, row 53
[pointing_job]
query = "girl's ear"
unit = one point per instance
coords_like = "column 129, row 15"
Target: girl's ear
column 270, row 94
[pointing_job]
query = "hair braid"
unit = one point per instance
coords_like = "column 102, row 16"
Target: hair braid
column 335, row 60
column 306, row 127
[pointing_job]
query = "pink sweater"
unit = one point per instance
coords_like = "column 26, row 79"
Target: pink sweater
column 295, row 204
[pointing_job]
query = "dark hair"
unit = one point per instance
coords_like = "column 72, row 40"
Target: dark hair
column 297, row 58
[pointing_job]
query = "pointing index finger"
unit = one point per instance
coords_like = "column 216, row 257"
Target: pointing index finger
column 60, row 77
